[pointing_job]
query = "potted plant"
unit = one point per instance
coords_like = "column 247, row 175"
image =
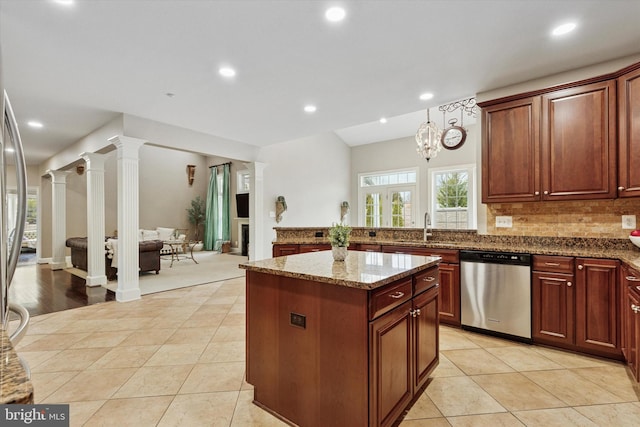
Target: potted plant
column 339, row 239
column 196, row 214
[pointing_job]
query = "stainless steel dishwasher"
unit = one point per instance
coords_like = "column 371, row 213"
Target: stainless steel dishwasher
column 495, row 293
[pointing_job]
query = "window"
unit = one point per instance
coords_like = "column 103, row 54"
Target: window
column 388, row 199
column 453, row 197
column 243, row 181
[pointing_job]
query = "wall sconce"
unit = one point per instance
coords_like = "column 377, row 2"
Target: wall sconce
column 80, row 169
column 344, row 210
column 281, row 207
column 191, row 173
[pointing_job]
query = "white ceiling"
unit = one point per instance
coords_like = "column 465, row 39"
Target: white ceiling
column 75, row 68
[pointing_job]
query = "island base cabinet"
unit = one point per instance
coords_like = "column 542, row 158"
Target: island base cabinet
column 404, row 352
column 307, row 350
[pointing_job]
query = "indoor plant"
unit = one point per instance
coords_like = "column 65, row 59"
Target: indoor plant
column 196, row 214
column 339, row 239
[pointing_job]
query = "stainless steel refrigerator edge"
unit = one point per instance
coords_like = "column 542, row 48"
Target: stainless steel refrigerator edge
column 11, row 240
column 495, row 292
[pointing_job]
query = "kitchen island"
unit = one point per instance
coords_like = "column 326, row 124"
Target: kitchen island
column 341, row 343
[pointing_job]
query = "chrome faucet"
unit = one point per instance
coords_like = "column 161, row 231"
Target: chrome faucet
column 427, row 226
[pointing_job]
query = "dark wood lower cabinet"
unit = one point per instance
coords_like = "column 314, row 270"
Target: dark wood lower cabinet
column 553, row 308
column 577, row 309
column 450, row 294
column 597, row 312
column 404, row 351
column 327, row 355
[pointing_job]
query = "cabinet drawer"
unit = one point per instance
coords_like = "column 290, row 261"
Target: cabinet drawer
column 314, row 248
column 450, row 256
column 390, row 296
column 425, row 280
column 554, row 264
column 368, row 247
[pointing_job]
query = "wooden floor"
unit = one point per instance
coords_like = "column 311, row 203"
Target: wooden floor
column 41, row 290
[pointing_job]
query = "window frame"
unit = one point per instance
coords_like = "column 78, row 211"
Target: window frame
column 386, row 190
column 472, row 193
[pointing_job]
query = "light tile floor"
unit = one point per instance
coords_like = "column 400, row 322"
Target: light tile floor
column 177, row 359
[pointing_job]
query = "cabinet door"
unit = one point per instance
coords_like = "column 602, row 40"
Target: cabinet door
column 552, row 307
column 579, row 143
column 449, row 299
column 425, row 332
column 629, row 138
column 391, row 387
column 597, row 318
column 284, row 250
column 633, row 332
column 510, row 151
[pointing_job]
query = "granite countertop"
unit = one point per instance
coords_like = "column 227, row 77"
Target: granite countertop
column 15, row 386
column 608, row 248
column 363, row 270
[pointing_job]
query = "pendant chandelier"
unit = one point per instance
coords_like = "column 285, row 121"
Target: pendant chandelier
column 428, row 139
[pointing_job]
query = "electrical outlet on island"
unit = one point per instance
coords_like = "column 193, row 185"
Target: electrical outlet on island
column 504, row 221
column 629, row 222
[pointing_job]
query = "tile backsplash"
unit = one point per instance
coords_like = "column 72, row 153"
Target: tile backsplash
column 580, row 218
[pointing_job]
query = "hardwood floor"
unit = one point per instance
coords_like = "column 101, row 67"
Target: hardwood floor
column 41, row 290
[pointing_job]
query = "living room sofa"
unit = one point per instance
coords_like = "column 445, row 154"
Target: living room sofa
column 149, row 256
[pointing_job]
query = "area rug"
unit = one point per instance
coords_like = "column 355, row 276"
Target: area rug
column 211, row 267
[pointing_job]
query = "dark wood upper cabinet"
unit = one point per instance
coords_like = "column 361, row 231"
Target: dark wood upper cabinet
column 579, row 143
column 510, row 151
column 629, row 134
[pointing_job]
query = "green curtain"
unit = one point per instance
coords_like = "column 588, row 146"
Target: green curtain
column 225, row 231
column 211, row 218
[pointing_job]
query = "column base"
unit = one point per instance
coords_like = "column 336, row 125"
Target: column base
column 58, row 265
column 124, row 295
column 96, row 280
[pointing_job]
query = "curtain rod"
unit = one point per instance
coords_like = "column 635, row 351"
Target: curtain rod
column 221, row 164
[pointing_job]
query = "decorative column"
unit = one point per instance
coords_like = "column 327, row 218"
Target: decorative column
column 256, row 206
column 58, row 218
column 128, row 221
column 95, row 219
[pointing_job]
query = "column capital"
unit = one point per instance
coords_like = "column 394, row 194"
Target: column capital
column 127, row 143
column 95, row 161
column 58, row 177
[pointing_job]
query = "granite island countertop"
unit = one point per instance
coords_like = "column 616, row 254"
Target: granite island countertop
column 15, row 386
column 363, row 270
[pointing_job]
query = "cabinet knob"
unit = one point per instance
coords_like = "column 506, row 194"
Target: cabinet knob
column 620, row 188
column 537, row 193
column 580, row 267
column 416, row 312
column 569, row 284
column 545, row 192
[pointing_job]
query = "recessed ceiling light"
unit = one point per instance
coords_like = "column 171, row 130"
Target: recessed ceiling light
column 310, row 108
column 64, row 2
column 227, row 72
column 383, row 120
column 426, row 96
column 34, row 124
column 335, row 14
column 564, row 29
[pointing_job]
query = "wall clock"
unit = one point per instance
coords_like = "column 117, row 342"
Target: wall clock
column 454, row 136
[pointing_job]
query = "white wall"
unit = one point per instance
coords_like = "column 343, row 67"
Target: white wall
column 312, row 174
column 401, row 154
column 165, row 135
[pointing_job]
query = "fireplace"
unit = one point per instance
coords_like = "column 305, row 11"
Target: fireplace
column 244, row 239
